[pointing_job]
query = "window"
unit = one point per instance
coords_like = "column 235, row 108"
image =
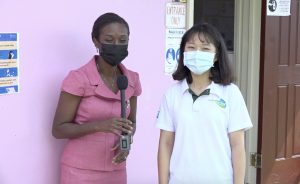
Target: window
column 219, row 13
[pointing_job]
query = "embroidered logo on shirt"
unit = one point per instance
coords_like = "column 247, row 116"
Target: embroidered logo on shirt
column 221, row 103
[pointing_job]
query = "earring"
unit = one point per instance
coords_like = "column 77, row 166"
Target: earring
column 97, row 49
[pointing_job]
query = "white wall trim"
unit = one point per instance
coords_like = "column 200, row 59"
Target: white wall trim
column 190, row 14
column 247, row 64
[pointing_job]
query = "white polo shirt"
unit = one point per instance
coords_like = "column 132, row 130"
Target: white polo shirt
column 201, row 152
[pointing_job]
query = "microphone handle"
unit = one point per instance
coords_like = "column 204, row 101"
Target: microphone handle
column 123, row 107
column 125, row 139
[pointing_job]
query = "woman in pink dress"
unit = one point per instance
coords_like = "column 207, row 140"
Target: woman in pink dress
column 89, row 108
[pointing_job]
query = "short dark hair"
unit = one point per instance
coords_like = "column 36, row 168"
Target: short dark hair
column 106, row 19
column 221, row 72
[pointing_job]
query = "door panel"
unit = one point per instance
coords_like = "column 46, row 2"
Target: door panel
column 280, row 98
column 296, row 147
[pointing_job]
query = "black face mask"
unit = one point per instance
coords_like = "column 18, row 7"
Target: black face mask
column 113, row 54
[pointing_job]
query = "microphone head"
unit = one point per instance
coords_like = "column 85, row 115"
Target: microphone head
column 122, row 82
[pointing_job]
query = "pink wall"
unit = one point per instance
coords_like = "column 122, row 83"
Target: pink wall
column 55, row 38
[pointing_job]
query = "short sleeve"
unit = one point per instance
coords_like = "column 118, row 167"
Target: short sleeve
column 137, row 86
column 74, row 83
column 239, row 118
column 164, row 116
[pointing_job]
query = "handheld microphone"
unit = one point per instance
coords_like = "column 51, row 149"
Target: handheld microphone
column 122, row 83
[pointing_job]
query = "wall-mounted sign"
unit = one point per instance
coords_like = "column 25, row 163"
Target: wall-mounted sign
column 175, row 15
column 9, row 63
column 182, row 1
column 278, row 7
column 173, row 39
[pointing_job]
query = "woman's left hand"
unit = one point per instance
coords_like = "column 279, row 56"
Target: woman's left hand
column 121, row 155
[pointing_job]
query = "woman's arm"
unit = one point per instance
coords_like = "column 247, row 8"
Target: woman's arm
column 65, row 127
column 166, row 142
column 238, row 156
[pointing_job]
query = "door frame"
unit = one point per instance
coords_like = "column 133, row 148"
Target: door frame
column 246, row 57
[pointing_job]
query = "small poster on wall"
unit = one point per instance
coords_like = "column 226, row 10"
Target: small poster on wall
column 175, row 15
column 173, row 39
column 9, row 63
column 278, row 7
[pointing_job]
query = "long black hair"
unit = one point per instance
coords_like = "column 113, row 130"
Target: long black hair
column 221, row 72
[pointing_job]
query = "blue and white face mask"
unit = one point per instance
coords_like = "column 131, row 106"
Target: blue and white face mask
column 198, row 61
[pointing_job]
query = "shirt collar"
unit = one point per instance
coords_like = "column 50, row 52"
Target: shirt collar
column 214, row 88
column 95, row 78
column 184, row 86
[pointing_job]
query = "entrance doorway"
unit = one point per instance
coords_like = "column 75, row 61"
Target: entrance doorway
column 242, row 36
